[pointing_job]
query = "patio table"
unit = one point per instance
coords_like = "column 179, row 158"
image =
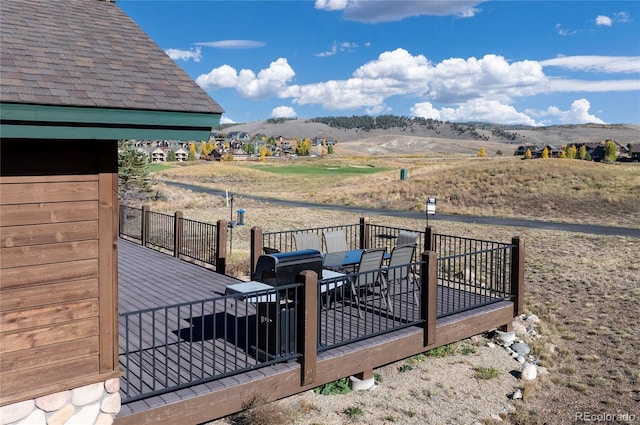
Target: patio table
column 344, row 259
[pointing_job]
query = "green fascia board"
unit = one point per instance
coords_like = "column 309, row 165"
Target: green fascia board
column 60, row 122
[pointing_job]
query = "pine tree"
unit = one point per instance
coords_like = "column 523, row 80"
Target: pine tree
column 134, row 181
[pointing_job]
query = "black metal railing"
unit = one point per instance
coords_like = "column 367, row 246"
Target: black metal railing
column 176, row 346
column 190, row 240
column 131, row 223
column 284, row 241
column 159, row 230
column 384, row 236
column 474, row 279
column 198, row 241
column 353, row 307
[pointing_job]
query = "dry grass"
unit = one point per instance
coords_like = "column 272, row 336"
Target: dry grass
column 552, row 189
column 585, row 288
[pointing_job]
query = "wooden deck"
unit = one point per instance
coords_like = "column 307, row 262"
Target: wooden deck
column 214, row 338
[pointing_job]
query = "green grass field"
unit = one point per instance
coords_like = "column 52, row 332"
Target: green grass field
column 154, row 167
column 335, row 170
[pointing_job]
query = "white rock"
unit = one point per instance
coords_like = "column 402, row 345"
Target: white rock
column 516, row 395
column 529, row 372
column 506, row 337
column 61, row 416
column 359, row 384
column 16, row 411
column 112, row 385
column 87, row 415
column 111, row 404
column 514, row 355
column 519, row 328
column 104, row 419
column 87, row 394
column 520, row 359
column 52, row 402
column 533, row 319
column 491, row 345
column 37, row 417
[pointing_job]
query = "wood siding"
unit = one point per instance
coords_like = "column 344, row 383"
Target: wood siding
column 57, row 261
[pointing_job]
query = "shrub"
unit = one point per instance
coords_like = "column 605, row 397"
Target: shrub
column 610, row 151
column 486, row 373
column 341, row 386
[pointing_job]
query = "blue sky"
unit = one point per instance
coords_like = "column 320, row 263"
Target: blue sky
column 509, row 62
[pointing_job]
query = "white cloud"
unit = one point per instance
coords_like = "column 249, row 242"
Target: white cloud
column 269, row 82
column 577, row 114
column 565, row 32
column 333, row 51
column 283, row 112
column 606, row 64
column 345, row 46
column 483, row 89
column 331, row 4
column 602, row 20
column 396, row 10
column 457, row 80
column 184, row 55
column 622, row 17
column 567, row 85
column 232, row 44
column 348, row 46
column 474, row 110
column 226, row 120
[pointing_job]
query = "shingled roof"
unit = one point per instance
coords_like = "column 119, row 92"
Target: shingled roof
column 88, row 53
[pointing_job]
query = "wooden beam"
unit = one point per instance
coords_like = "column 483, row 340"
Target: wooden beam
column 308, row 327
column 517, row 274
column 256, row 248
column 429, row 302
column 222, row 229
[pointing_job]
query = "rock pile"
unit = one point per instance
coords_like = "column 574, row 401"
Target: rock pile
column 514, row 343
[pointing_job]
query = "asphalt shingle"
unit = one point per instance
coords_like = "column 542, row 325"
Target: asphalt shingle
column 88, row 53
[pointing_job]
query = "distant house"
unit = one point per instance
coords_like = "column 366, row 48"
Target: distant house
column 182, row 154
column 552, row 151
column 522, row 149
column 635, row 152
column 241, row 136
column 158, row 155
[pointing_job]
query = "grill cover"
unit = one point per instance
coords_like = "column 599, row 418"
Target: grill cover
column 283, row 268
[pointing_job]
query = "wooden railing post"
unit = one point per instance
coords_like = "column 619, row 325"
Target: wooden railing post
column 178, row 233
column 429, row 302
column 308, row 327
column 120, row 217
column 517, row 274
column 144, row 225
column 429, row 236
column 364, row 232
column 221, row 246
column 256, row 248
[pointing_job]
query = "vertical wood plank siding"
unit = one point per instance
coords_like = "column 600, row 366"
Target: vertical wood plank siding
column 58, row 303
